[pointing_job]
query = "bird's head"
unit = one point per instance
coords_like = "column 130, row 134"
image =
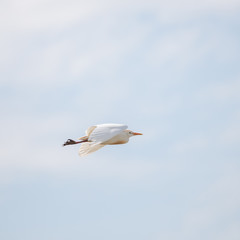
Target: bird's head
column 131, row 133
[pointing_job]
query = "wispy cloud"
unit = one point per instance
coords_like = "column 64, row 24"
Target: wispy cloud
column 168, row 69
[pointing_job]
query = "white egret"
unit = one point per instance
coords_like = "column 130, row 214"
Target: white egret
column 98, row 136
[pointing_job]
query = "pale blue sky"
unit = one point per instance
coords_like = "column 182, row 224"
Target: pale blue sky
column 167, row 69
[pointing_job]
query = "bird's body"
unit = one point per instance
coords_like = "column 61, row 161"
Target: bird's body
column 101, row 135
column 121, row 138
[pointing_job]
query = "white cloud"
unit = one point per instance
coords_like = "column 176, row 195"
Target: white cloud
column 213, row 207
column 178, row 48
column 42, row 14
column 222, row 92
column 46, row 15
column 130, row 62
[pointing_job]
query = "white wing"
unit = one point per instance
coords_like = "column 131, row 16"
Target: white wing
column 104, row 132
column 88, row 147
column 89, row 130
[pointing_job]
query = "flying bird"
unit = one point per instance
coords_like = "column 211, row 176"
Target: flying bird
column 98, row 136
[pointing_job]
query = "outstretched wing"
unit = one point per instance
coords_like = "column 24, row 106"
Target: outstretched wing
column 104, row 132
column 88, row 147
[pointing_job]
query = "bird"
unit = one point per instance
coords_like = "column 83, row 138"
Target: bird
column 100, row 135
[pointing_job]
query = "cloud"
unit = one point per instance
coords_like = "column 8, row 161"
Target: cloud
column 167, row 69
column 222, row 92
column 53, row 15
column 46, row 15
column 219, row 202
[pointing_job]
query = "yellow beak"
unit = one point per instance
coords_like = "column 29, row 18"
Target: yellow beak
column 135, row 133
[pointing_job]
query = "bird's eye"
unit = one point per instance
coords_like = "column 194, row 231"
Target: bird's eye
column 130, row 132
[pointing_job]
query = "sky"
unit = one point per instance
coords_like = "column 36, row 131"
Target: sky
column 168, row 69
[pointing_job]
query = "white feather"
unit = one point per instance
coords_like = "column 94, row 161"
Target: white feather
column 104, row 132
column 88, row 147
column 89, row 130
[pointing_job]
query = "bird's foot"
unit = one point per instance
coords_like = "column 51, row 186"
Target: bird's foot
column 69, row 142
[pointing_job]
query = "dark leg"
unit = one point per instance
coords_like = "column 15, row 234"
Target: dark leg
column 71, row 142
